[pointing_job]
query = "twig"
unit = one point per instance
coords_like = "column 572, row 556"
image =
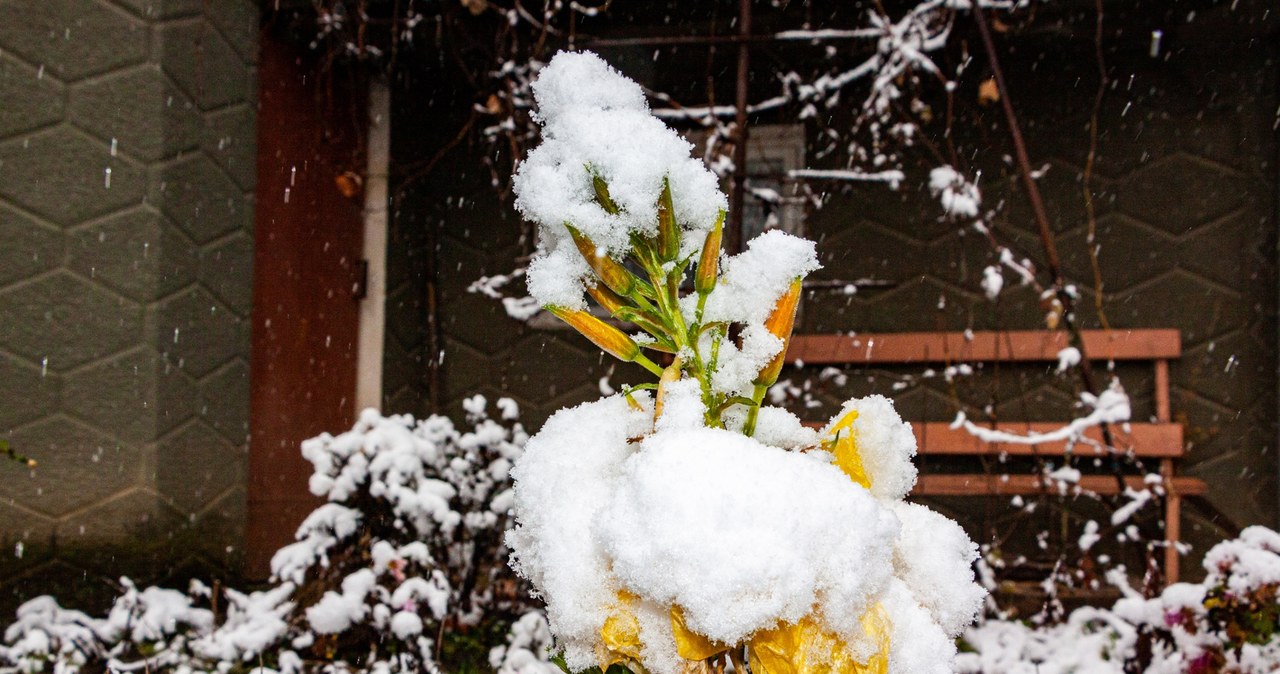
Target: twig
column 1087, row 182
column 1042, row 224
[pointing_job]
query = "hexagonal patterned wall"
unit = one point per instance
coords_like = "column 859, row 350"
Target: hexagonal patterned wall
column 1186, row 186
column 126, row 206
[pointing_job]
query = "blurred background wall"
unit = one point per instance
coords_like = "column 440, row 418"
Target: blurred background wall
column 127, row 170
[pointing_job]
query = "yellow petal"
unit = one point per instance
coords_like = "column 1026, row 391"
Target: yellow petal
column 844, row 445
column 620, row 634
column 806, row 647
column 689, row 644
column 875, row 622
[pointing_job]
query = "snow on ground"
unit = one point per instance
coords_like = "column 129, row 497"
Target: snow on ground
column 1226, row 623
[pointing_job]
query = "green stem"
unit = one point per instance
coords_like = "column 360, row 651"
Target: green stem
column 749, row 428
column 649, row 365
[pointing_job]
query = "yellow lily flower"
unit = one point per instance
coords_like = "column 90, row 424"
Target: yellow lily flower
column 843, row 443
column 805, row 647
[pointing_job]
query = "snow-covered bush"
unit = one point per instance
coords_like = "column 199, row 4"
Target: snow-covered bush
column 1229, row 622
column 684, row 524
column 406, row 548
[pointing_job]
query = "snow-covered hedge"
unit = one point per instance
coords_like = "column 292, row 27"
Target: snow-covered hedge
column 1230, row 622
column 407, row 546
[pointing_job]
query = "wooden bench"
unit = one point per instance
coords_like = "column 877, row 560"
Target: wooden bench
column 1160, row 440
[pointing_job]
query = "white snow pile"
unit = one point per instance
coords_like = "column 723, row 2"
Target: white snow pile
column 408, row 539
column 959, row 197
column 1226, row 623
column 596, row 123
column 619, row 520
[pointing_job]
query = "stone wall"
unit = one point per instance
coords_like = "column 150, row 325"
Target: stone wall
column 126, row 209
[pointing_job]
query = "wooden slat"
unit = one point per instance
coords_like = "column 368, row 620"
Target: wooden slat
column 937, row 438
column 986, row 485
column 1172, row 531
column 1015, row 345
column 1162, row 390
column 1147, row 440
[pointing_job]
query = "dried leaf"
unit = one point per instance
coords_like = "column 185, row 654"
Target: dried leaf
column 988, row 92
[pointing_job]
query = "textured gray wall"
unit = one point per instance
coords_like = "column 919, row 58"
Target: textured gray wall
column 124, row 301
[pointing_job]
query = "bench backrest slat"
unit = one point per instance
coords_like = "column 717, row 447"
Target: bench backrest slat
column 938, row 438
column 1014, row 345
column 1146, row 440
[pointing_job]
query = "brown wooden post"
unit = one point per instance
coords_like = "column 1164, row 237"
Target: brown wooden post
column 1173, row 500
column 1162, row 391
column 305, row 319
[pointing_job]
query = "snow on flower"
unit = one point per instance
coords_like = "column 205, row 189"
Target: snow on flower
column 696, row 523
column 596, row 124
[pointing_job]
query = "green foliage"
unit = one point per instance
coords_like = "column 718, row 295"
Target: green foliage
column 558, row 660
column 1253, row 617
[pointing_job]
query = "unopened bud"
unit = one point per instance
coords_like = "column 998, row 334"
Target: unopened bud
column 606, row 298
column 780, row 324
column 668, row 229
column 709, row 263
column 602, row 194
column 610, row 339
column 614, row 275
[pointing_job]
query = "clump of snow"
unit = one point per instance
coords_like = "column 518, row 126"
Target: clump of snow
column 772, row 556
column 1068, row 358
column 595, row 122
column 754, row 279
column 960, row 198
column 886, row 444
column 527, row 646
column 737, row 366
column 740, row 533
column 564, row 478
column 925, row 557
column 992, row 282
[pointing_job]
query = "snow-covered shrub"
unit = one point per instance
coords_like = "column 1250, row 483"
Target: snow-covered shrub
column 406, row 548
column 1226, row 623
column 695, row 526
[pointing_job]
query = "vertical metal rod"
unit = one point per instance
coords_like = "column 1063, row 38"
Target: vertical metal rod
column 373, row 320
column 737, row 197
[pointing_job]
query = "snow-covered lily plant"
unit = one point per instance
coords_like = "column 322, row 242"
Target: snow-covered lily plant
column 684, row 525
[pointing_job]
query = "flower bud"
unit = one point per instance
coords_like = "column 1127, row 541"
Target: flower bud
column 602, row 194
column 668, row 229
column 610, row 339
column 779, row 324
column 709, row 263
column 606, row 298
column 614, row 275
